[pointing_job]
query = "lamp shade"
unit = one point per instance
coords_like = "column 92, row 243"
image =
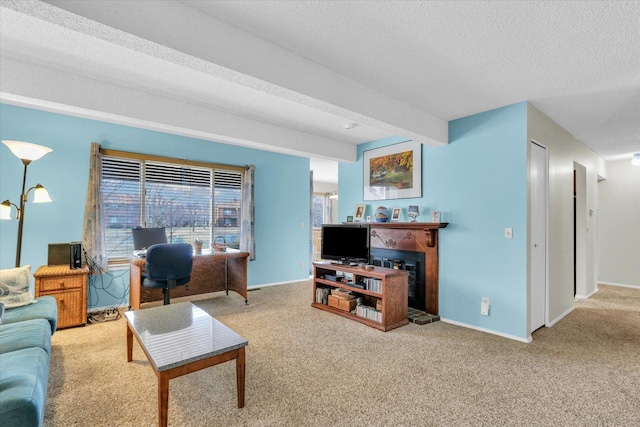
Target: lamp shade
column 5, row 210
column 27, row 150
column 41, row 195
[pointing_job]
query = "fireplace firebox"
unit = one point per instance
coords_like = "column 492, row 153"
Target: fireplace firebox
column 413, row 262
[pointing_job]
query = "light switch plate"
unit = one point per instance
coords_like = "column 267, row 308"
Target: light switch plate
column 508, row 233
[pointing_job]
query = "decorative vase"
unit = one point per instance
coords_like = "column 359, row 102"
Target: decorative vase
column 382, row 214
column 197, row 246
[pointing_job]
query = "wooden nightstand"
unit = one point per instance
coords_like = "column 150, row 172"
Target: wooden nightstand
column 69, row 287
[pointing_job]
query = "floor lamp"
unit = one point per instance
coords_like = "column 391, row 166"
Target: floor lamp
column 27, row 152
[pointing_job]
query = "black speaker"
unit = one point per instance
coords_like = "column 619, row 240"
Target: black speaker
column 75, row 255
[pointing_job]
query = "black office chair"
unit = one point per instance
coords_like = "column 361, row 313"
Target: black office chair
column 168, row 265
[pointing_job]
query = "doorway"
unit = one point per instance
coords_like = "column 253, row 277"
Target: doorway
column 539, row 187
column 580, row 231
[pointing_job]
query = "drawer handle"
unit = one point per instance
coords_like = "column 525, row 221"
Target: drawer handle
column 61, row 283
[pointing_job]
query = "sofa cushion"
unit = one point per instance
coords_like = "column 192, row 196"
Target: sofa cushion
column 30, row 333
column 45, row 307
column 23, row 387
column 15, row 284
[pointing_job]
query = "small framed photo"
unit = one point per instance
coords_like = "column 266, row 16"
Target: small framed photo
column 435, row 216
column 359, row 216
column 413, row 213
column 395, row 215
column 350, row 218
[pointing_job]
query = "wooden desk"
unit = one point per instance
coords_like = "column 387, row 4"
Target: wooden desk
column 217, row 271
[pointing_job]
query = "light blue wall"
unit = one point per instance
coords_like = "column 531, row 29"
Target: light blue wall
column 281, row 193
column 479, row 183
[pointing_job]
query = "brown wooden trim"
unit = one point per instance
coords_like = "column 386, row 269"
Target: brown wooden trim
column 184, row 162
column 406, row 225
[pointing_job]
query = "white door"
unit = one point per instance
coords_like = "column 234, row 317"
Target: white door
column 538, row 251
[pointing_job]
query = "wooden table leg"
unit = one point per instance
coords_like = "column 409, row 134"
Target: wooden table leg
column 163, row 399
column 129, row 343
column 240, row 377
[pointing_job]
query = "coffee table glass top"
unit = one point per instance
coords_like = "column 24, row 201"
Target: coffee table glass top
column 178, row 334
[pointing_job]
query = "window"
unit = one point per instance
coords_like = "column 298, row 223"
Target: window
column 192, row 201
column 320, row 209
column 317, row 210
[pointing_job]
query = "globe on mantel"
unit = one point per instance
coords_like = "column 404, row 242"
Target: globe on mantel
column 382, row 214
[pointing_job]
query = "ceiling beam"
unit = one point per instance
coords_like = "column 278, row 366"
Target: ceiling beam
column 180, row 36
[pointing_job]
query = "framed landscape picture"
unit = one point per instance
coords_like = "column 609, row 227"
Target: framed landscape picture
column 393, row 172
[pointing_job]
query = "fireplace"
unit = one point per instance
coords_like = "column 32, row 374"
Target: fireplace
column 413, row 262
column 401, row 243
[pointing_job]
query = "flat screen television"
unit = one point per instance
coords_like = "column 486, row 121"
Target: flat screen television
column 345, row 243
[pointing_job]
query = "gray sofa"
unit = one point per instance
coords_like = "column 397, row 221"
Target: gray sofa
column 25, row 354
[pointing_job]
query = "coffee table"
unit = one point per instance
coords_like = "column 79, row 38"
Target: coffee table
column 179, row 339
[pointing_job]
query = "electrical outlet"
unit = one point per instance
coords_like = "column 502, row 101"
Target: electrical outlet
column 484, row 306
column 110, row 315
column 508, row 233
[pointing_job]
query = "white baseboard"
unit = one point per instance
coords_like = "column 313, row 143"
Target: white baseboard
column 559, row 318
column 587, row 296
column 619, row 284
column 264, row 285
column 125, row 305
column 95, row 310
column 489, row 331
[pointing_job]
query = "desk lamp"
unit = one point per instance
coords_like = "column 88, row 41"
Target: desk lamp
column 27, row 152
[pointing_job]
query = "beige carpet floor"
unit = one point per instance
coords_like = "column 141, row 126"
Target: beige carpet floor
column 306, row 367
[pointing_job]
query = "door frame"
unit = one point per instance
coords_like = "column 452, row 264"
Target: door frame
column 546, row 237
column 581, row 234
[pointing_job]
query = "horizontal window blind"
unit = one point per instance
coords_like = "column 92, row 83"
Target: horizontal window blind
column 190, row 202
column 227, row 207
column 122, row 204
column 167, row 173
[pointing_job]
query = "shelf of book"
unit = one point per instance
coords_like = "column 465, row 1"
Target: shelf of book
column 381, row 294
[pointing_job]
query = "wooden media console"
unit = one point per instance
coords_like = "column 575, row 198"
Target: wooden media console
column 382, row 293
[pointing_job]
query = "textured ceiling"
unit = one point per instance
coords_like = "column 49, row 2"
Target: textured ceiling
column 579, row 62
column 288, row 75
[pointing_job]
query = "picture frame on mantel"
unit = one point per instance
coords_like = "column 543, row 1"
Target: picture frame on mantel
column 393, row 172
column 395, row 215
column 359, row 214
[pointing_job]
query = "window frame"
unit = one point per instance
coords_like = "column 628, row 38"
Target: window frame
column 143, row 158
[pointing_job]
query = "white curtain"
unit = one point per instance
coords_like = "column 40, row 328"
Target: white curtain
column 93, row 234
column 247, row 233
